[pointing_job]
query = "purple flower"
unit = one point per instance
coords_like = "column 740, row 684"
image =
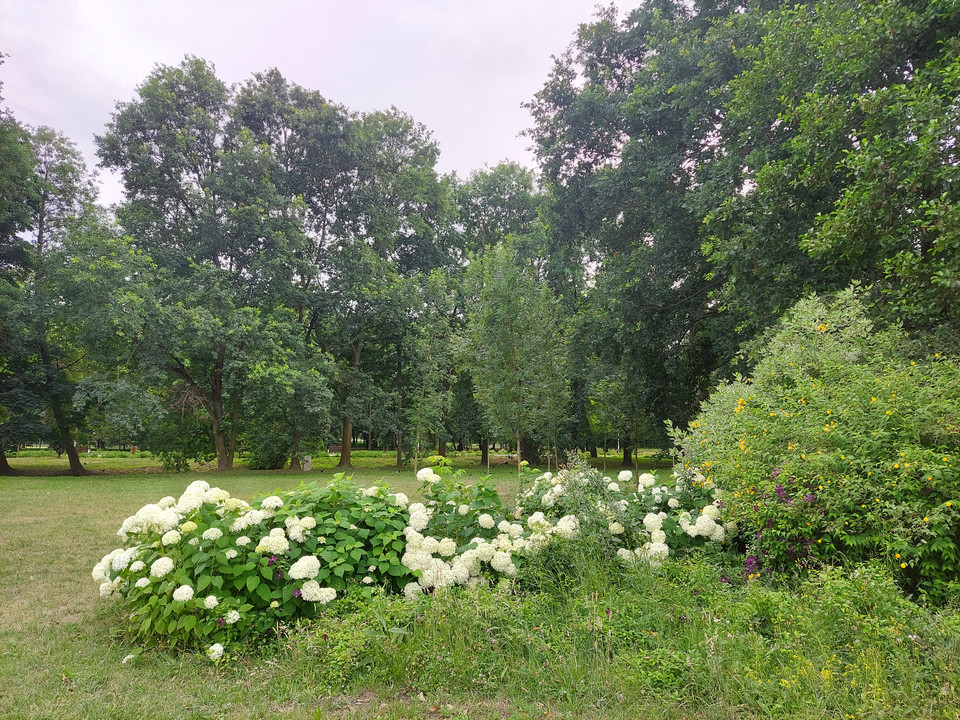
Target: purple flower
column 751, row 566
column 776, row 471
column 781, row 492
column 724, row 579
column 719, row 504
column 272, row 559
column 221, row 622
column 297, row 593
column 809, row 497
column 278, row 575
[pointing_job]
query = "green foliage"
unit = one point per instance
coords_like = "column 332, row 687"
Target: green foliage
column 233, row 561
column 839, row 448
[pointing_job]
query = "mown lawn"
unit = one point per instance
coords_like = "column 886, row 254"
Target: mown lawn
column 583, row 639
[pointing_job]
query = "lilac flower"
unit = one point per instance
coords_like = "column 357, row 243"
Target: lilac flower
column 297, row 593
column 272, row 559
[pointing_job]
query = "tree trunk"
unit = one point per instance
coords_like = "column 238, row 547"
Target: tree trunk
column 593, row 451
column 5, row 468
column 220, row 444
column 485, row 452
column 295, row 450
column 627, row 459
column 399, row 404
column 346, row 440
column 60, row 417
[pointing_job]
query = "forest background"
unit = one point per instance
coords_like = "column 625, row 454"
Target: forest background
column 286, row 274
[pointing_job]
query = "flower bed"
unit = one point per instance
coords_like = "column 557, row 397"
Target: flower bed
column 209, row 569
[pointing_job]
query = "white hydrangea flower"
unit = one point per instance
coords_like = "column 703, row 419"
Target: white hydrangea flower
column 210, row 602
column 194, row 541
column 412, row 590
column 447, row 547
column 232, row 617
column 625, row 476
column 401, row 500
column 137, row 566
column 463, row 509
column 122, row 559
column 705, row 526
column 312, row 592
column 731, row 529
column 308, row 523
column 568, row 526
column 215, row 652
column 231, row 554
column 212, row 534
column 626, row 555
column 271, row 503
column 167, row 502
column 371, row 491
column 161, row 566
column 183, row 593
column 711, row 511
column 424, row 473
column 189, row 502
column 485, row 521
column 504, row 526
column 306, row 567
column 655, row 553
column 538, row 521
column 613, row 487
column 274, row 544
column 652, row 521
column 243, row 540
column 646, row 480
column 108, row 588
column 215, row 495
column 142, row 582
column 419, row 520
column 188, row 527
column 658, row 536
column 616, row 528
column 673, row 503
column 430, row 545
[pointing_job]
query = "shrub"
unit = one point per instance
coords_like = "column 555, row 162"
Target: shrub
column 838, row 448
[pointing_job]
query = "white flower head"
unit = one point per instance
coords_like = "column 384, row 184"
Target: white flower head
column 616, row 528
column 212, row 534
column 183, row 593
column 232, row 617
column 306, row 567
column 210, row 602
column 142, row 582
column 625, row 476
column 401, row 500
column 170, row 538
column 215, row 652
column 312, row 592
column 271, row 503
column 161, row 566
column 485, row 521
column 613, row 487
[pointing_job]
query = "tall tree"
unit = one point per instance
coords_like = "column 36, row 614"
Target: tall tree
column 202, row 202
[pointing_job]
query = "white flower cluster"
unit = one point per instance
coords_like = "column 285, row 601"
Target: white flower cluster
column 298, row 528
column 275, row 543
column 306, row 568
column 420, row 516
column 312, row 592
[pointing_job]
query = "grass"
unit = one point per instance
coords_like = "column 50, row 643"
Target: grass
column 586, row 639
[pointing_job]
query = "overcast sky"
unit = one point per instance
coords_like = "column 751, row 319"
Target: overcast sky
column 461, row 67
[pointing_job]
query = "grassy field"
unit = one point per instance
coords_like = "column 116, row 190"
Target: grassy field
column 579, row 643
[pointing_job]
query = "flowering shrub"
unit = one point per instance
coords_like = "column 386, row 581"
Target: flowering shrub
column 206, row 568
column 839, row 448
column 211, row 568
column 643, row 524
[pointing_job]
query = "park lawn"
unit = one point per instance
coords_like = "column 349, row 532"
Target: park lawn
column 647, row 647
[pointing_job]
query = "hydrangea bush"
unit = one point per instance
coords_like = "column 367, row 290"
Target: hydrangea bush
column 839, row 448
column 209, row 569
column 642, row 522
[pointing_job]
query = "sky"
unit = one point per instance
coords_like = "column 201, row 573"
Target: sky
column 460, row 67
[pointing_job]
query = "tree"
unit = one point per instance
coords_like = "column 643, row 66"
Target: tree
column 203, row 203
column 517, row 348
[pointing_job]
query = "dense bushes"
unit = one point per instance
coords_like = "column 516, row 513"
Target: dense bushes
column 840, row 447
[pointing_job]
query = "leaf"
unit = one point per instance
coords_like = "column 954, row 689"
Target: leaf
column 252, row 582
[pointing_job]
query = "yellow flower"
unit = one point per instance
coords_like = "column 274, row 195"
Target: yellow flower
column 926, row 519
column 897, row 556
column 903, row 565
column 949, row 504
